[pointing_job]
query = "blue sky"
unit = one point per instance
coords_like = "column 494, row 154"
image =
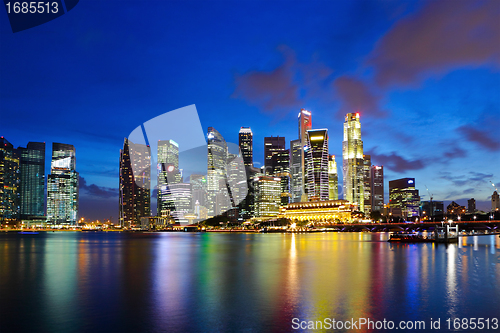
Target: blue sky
column 425, row 77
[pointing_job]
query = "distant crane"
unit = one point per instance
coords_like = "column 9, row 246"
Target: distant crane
column 431, row 208
column 493, row 186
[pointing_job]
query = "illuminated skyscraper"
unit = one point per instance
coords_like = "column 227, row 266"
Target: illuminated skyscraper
column 296, row 170
column 246, row 145
column 305, row 124
column 352, row 164
column 9, row 181
column 199, row 189
column 32, row 176
column 316, row 158
column 367, row 163
column 272, row 145
column 377, row 187
column 217, row 196
column 403, row 197
column 333, row 179
column 62, row 186
column 168, row 173
column 135, row 183
column 267, row 196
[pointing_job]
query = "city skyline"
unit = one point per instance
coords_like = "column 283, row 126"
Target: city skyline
column 434, row 121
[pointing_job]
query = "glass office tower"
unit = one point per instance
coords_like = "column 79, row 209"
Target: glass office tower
column 246, row 145
column 377, row 187
column 62, row 186
column 367, row 180
column 135, row 183
column 316, row 158
column 305, row 124
column 296, row 170
column 353, row 163
column 9, row 182
column 168, row 174
column 217, row 196
column 32, row 176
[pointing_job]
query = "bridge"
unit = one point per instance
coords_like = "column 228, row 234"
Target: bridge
column 468, row 226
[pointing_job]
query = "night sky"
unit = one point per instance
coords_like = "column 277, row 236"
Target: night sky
column 425, row 77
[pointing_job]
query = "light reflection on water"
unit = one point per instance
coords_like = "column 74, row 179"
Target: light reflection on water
column 231, row 282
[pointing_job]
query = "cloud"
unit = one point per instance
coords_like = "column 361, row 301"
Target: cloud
column 442, row 36
column 280, row 90
column 472, row 178
column 479, row 137
column 273, row 90
column 395, row 162
column 455, row 152
column 355, row 96
column 97, row 191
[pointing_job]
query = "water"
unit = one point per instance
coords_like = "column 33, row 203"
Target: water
column 199, row 282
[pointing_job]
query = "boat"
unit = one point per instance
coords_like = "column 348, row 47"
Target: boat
column 408, row 237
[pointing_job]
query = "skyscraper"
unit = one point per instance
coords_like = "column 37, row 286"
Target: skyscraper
column 168, row 174
column 296, row 170
column 62, row 186
column 217, row 195
column 280, row 167
column 272, row 145
column 316, row 158
column 267, row 196
column 32, row 176
column 377, row 187
column 333, row 179
column 246, row 145
column 471, row 206
column 135, row 183
column 9, row 181
column 305, row 124
column 352, row 164
column 199, row 189
column 403, row 197
column 367, row 163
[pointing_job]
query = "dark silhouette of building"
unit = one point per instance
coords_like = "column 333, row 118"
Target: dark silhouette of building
column 471, row 206
column 135, row 183
column 9, row 182
column 32, row 180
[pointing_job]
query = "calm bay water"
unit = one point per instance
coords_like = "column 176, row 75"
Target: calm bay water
column 190, row 282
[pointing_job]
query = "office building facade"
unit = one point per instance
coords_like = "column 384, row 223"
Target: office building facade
column 305, row 124
column 495, row 202
column 316, row 158
column 353, row 163
column 296, row 178
column 404, row 198
column 9, row 182
column 217, row 196
column 135, row 184
column 168, row 174
column 377, row 187
column 62, row 186
column 32, row 180
column 246, row 145
column 367, row 180
column 267, row 196
column 333, row 179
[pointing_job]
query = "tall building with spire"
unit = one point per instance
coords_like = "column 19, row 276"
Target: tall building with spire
column 62, row 186
column 217, row 182
column 316, row 158
column 135, row 183
column 333, row 179
column 246, row 145
column 353, row 164
column 32, row 179
column 305, row 124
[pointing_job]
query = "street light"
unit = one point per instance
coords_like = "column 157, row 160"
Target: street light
column 474, row 218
